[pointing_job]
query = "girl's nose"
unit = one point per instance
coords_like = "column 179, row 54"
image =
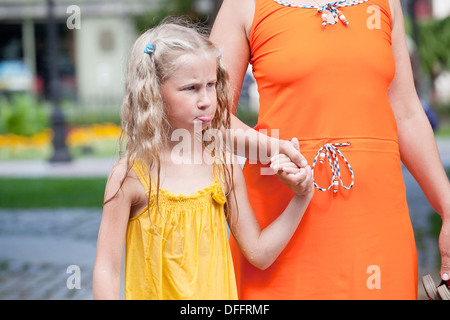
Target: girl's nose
column 204, row 100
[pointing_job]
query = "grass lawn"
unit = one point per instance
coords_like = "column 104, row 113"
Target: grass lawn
column 52, row 192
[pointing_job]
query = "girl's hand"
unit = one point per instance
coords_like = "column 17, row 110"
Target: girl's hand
column 281, row 163
column 299, row 180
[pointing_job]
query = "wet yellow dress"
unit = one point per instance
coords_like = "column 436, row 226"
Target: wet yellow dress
column 182, row 252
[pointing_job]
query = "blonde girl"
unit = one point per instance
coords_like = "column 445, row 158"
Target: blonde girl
column 168, row 209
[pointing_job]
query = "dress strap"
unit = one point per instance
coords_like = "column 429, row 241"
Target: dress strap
column 218, row 185
column 142, row 173
column 217, row 171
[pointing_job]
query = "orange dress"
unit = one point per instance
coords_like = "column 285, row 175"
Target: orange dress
column 326, row 86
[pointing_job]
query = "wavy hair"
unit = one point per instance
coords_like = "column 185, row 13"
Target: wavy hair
column 145, row 129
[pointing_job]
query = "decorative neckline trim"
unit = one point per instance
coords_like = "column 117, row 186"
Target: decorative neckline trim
column 331, row 7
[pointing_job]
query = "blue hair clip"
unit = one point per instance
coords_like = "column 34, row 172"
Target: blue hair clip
column 149, row 48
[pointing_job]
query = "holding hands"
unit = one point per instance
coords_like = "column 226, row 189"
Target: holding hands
column 298, row 179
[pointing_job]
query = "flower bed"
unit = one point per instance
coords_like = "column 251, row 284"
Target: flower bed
column 97, row 139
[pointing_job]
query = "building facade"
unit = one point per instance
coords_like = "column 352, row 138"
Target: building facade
column 94, row 39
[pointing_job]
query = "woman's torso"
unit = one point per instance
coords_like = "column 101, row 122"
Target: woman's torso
column 332, row 81
column 328, row 85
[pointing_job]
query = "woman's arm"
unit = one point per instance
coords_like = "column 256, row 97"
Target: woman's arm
column 262, row 247
column 418, row 148
column 230, row 32
column 111, row 236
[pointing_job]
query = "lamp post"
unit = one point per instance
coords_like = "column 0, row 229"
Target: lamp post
column 60, row 150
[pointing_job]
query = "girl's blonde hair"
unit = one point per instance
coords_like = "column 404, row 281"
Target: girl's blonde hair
column 145, row 128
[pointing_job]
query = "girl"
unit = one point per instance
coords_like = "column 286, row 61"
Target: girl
column 167, row 207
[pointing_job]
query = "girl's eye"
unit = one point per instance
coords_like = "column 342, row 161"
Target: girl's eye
column 189, row 88
column 211, row 84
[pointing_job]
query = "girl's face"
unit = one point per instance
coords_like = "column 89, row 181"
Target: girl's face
column 190, row 92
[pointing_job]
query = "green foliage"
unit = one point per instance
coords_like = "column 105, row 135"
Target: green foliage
column 434, row 45
column 52, row 192
column 247, row 116
column 185, row 8
column 23, row 115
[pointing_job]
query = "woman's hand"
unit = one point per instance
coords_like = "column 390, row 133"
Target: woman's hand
column 444, row 246
column 292, row 150
column 298, row 179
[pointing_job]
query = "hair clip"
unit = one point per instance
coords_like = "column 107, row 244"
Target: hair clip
column 220, row 53
column 149, row 48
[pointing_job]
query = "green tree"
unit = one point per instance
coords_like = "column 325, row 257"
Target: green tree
column 434, row 46
column 185, row 8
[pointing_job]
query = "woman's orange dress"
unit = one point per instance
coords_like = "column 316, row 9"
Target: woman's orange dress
column 327, row 85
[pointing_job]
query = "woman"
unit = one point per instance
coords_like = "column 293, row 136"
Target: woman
column 337, row 76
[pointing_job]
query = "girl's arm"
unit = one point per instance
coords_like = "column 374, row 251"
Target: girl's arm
column 254, row 145
column 262, row 247
column 111, row 236
column 418, row 148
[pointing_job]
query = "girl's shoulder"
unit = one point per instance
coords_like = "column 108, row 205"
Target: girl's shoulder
column 120, row 172
column 117, row 174
column 119, row 168
column 123, row 178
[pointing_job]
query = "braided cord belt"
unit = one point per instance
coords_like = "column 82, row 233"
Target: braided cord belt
column 331, row 151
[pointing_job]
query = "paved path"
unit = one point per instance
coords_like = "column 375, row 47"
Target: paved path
column 39, row 246
column 84, row 167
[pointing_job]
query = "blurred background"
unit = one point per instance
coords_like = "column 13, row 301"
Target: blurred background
column 62, row 67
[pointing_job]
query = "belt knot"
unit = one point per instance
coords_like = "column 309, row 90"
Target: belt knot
column 332, row 152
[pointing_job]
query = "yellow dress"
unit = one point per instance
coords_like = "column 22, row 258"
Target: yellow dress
column 182, row 252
